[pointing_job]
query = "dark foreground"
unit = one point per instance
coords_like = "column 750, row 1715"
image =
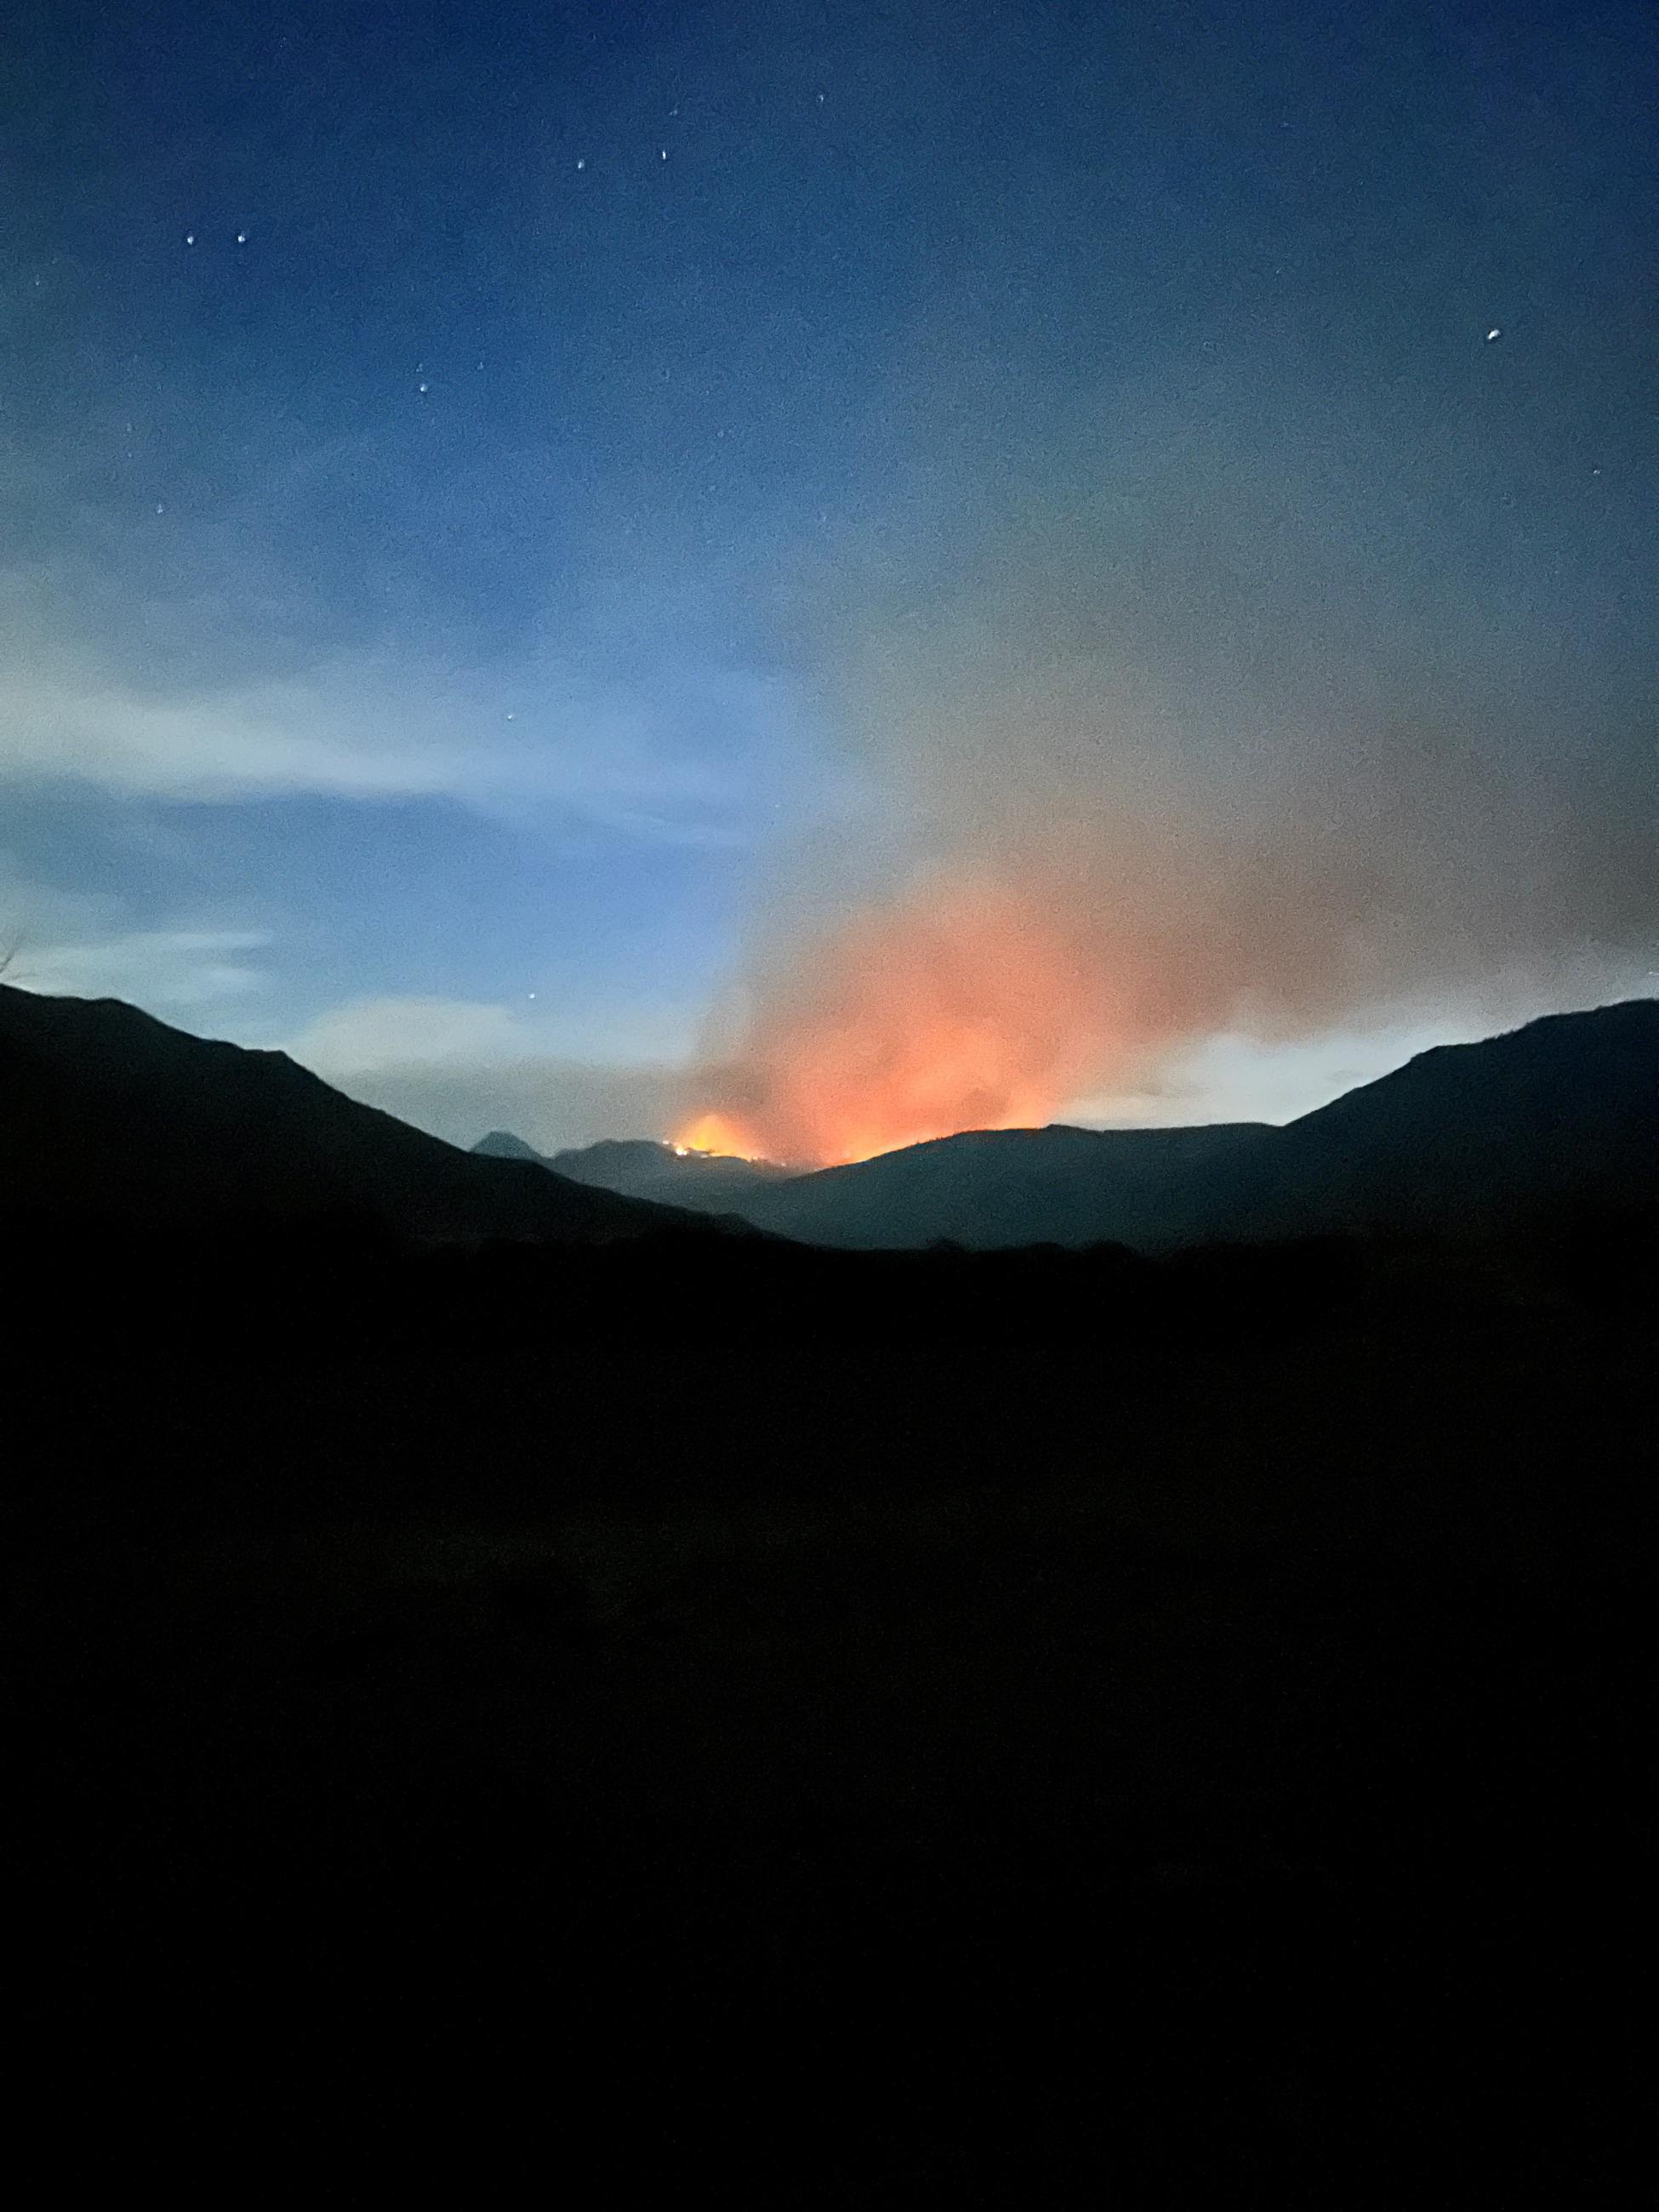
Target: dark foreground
column 1120, row 1747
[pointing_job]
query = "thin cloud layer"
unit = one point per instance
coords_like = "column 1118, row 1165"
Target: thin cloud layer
column 460, row 1069
column 166, row 968
column 363, row 727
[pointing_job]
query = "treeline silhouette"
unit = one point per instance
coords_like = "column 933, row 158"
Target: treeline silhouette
column 346, row 1281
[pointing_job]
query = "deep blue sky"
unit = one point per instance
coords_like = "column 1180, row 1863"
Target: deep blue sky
column 507, row 501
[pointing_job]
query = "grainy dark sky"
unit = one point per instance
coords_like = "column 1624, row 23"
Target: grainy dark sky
column 517, row 519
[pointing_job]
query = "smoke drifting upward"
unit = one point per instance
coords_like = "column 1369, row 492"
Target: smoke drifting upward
column 1077, row 938
column 1262, row 718
column 959, row 1004
column 979, row 1000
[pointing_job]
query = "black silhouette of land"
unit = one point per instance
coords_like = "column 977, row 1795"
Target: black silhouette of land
column 1464, row 1139
column 1150, row 1722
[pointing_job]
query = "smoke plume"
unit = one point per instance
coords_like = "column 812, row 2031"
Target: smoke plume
column 1091, row 890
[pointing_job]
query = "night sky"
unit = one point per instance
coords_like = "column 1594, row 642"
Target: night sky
column 572, row 564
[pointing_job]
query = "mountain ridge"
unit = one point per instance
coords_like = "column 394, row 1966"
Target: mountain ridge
column 1560, row 1111
column 647, row 1168
column 105, row 1109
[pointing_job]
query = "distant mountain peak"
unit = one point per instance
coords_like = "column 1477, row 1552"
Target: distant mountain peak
column 647, row 1168
column 502, row 1144
column 1561, row 1111
column 105, row 1110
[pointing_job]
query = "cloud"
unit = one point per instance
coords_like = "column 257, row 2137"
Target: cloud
column 184, row 697
column 460, row 1069
column 79, row 944
column 363, row 727
column 163, row 968
column 371, row 1035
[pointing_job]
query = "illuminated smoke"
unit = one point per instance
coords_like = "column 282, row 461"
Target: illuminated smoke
column 959, row 1005
column 1055, row 965
column 720, row 1135
column 1245, row 811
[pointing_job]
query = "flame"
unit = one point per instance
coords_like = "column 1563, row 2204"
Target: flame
column 959, row 1006
column 715, row 1133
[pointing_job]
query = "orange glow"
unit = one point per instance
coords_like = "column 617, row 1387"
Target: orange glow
column 716, row 1132
column 962, row 1005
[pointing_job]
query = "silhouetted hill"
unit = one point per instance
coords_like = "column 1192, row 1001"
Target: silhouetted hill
column 1552, row 1120
column 837, row 1685
column 711, row 1182
column 106, row 1112
column 502, row 1144
column 1559, row 1116
column 989, row 1188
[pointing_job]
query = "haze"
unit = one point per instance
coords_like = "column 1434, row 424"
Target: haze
column 864, row 575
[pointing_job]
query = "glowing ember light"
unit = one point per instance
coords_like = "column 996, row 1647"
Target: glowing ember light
column 960, row 1005
column 715, row 1133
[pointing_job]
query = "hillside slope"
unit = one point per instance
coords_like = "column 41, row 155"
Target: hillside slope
column 1559, row 1115
column 105, row 1111
column 710, row 1182
column 1562, row 1113
column 989, row 1188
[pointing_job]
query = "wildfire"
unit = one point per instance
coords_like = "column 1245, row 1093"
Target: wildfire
column 715, row 1133
column 960, row 1005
